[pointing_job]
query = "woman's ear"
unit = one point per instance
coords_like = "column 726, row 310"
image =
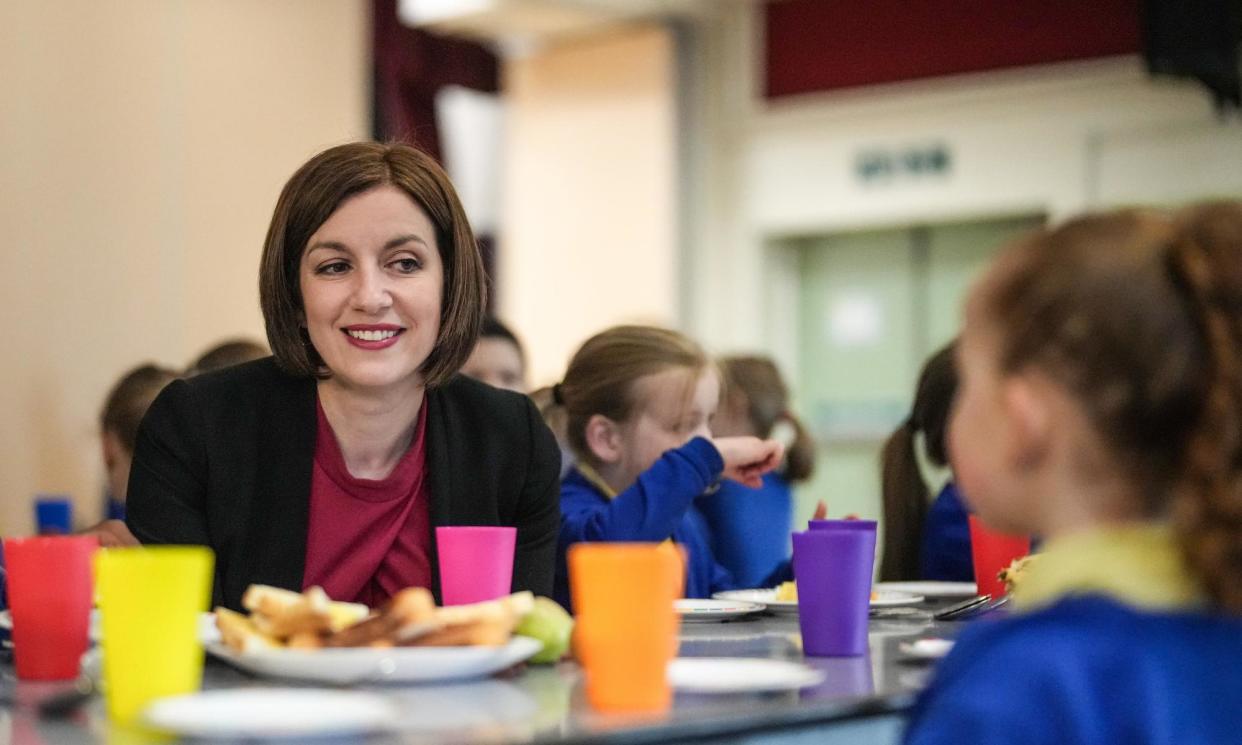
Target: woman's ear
column 1028, row 418
column 603, row 437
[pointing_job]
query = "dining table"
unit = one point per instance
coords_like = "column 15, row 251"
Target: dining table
column 858, row 700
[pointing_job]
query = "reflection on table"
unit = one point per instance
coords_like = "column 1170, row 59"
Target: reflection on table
column 860, row 698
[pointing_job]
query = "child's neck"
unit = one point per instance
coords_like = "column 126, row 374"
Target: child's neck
column 1072, row 504
column 615, row 476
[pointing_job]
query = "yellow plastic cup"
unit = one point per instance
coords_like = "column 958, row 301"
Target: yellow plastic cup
column 151, row 599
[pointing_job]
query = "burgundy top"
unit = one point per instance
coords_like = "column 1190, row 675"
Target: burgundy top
column 368, row 538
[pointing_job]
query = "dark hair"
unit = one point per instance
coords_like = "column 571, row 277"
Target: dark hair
column 904, row 493
column 227, row 354
column 129, row 400
column 1139, row 316
column 313, row 193
column 755, row 384
column 602, row 374
column 494, row 329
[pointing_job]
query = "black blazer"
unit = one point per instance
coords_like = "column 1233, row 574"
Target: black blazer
column 224, row 460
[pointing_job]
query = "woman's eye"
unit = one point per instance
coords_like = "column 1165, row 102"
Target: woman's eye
column 333, row 267
column 406, row 266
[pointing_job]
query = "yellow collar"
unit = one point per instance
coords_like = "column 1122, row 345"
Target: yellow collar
column 1137, row 563
column 594, row 479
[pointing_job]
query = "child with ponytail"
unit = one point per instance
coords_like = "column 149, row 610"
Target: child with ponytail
column 1101, row 408
column 922, row 541
column 750, row 527
column 638, row 402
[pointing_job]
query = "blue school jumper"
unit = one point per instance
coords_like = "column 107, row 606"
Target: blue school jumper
column 749, row 528
column 1117, row 647
column 1088, row 670
column 945, row 550
column 658, row 506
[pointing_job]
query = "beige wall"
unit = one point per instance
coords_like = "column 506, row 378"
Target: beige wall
column 588, row 223
column 142, row 145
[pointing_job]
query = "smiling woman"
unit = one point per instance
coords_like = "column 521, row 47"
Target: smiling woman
column 330, row 463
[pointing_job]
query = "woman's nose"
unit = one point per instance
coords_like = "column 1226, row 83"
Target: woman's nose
column 371, row 293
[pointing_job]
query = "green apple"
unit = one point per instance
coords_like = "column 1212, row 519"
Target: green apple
column 549, row 623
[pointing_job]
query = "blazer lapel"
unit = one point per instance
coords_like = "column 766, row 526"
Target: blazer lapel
column 439, row 467
column 281, row 507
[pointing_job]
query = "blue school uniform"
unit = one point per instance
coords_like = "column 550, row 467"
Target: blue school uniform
column 945, row 549
column 658, row 506
column 749, row 528
column 1129, row 658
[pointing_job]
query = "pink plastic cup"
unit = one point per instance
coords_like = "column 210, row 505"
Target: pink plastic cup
column 50, row 591
column 476, row 562
column 992, row 552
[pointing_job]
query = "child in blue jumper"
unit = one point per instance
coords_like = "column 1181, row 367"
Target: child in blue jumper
column 639, row 401
column 750, row 527
column 922, row 541
column 1101, row 407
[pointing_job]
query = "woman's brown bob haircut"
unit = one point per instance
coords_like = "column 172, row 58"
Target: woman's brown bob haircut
column 313, row 194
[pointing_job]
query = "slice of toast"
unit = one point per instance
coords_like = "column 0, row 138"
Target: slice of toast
column 408, row 614
column 240, row 634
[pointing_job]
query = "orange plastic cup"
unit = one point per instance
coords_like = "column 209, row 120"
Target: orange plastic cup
column 992, row 552
column 626, row 627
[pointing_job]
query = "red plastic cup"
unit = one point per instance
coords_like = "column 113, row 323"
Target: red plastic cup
column 992, row 552
column 476, row 562
column 50, row 594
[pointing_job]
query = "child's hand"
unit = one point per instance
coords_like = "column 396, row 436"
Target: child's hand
column 111, row 534
column 746, row 459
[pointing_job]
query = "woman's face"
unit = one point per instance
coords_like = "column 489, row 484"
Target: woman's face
column 372, row 282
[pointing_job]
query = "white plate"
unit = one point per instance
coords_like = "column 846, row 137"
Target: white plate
column 767, row 597
column 890, row 598
column 931, row 589
column 347, row 665
column 207, row 631
column 272, row 712
column 739, row 674
column 696, row 610
column 926, row 649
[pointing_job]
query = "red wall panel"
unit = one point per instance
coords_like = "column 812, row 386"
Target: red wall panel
column 821, row 45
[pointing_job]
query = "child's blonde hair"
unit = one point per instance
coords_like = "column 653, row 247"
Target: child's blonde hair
column 602, row 374
column 1139, row 316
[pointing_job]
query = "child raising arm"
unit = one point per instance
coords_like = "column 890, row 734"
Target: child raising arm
column 639, row 401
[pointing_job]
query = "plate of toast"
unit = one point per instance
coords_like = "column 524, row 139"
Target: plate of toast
column 306, row 636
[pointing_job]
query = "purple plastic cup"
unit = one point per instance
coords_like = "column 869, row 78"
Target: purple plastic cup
column 833, row 569
column 842, row 525
column 476, row 562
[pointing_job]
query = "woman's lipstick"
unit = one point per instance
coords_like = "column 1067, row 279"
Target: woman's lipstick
column 372, row 336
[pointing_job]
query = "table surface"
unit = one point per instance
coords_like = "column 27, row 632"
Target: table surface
column 547, row 703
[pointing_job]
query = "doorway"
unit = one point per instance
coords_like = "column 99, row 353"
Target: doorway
column 870, row 307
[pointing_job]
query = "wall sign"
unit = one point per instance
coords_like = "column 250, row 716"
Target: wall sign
column 902, row 164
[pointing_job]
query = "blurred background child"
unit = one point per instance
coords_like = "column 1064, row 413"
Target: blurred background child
column 227, row 354
column 498, row 358
column 750, row 527
column 922, row 542
column 638, row 401
column 122, row 412
column 1101, row 407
